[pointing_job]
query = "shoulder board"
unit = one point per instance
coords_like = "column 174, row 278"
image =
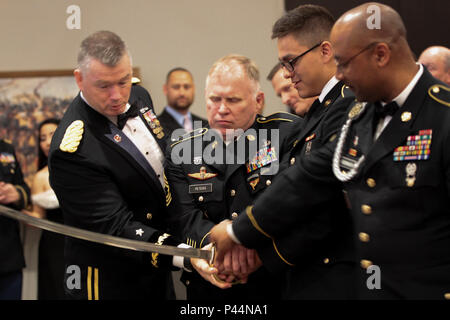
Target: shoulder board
column 440, row 93
column 72, row 137
column 279, row 116
column 190, row 135
column 346, row 92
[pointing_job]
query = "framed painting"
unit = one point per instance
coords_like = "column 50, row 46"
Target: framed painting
column 26, row 99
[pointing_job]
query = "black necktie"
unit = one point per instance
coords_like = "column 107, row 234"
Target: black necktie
column 132, row 112
column 387, row 110
column 381, row 112
column 313, row 107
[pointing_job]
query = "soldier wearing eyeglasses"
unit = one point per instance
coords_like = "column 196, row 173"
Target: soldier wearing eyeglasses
column 314, row 248
column 393, row 156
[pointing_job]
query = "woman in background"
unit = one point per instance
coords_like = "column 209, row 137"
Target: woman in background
column 45, row 205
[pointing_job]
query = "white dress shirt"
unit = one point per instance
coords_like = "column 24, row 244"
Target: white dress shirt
column 400, row 100
column 138, row 133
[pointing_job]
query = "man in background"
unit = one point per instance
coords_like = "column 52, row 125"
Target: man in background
column 289, row 95
column 437, row 60
column 179, row 90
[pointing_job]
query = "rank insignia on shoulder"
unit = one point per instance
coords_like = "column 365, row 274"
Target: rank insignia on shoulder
column 440, row 93
column 202, row 175
column 418, row 147
column 278, row 116
column 72, row 137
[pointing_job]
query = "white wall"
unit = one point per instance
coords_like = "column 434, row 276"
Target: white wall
column 161, row 34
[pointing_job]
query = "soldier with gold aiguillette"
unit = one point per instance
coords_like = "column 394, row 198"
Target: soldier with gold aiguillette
column 106, row 168
column 393, row 156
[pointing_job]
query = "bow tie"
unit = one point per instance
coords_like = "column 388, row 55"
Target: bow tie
column 387, row 110
column 131, row 113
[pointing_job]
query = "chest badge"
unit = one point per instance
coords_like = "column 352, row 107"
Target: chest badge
column 202, row 175
column 254, row 183
column 411, row 169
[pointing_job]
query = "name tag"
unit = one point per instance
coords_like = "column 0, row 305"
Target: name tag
column 200, row 188
column 347, row 163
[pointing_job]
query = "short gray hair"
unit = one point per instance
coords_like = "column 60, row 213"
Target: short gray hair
column 250, row 67
column 104, row 46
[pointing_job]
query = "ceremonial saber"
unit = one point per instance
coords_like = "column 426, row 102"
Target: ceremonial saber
column 108, row 239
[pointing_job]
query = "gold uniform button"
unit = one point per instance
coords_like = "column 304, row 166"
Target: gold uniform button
column 234, row 215
column 436, row 90
column 447, row 296
column 366, row 263
column 364, row 237
column 149, row 216
column 371, row 183
column 366, row 209
column 232, row 192
column 292, row 161
column 188, row 282
column 200, row 198
column 326, row 261
column 268, row 183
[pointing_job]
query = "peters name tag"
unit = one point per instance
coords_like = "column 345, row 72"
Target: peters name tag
column 200, row 188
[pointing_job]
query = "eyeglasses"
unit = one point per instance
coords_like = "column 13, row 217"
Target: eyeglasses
column 343, row 65
column 290, row 65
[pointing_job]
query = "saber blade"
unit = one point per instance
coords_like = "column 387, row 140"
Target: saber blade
column 104, row 238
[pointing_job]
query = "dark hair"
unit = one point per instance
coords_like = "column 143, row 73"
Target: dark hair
column 42, row 159
column 310, row 23
column 175, row 70
column 273, row 71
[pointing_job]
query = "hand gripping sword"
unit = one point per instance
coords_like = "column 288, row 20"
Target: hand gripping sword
column 108, row 239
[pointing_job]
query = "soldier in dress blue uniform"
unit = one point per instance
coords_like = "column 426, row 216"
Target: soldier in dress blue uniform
column 314, row 249
column 107, row 172
column 216, row 171
column 14, row 193
column 393, row 157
